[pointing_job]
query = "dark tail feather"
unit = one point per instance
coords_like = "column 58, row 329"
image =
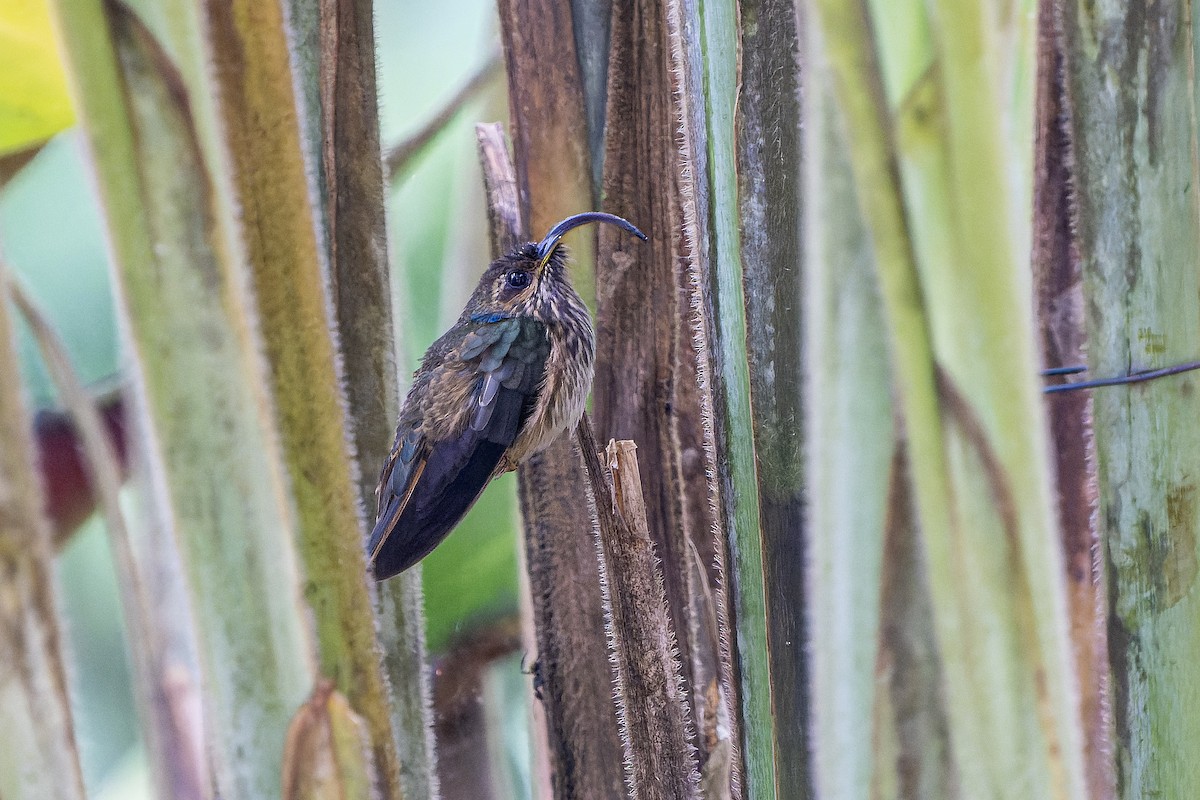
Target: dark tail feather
column 446, row 489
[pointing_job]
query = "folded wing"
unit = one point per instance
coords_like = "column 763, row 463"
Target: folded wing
column 428, row 486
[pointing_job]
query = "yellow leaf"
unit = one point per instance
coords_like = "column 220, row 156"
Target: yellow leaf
column 34, row 104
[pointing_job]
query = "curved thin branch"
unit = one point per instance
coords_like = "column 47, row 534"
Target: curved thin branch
column 103, row 462
column 178, row 745
column 400, row 157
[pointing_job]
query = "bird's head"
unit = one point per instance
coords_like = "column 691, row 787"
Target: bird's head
column 533, row 276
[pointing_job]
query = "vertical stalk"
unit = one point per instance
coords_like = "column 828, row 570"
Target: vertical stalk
column 649, row 385
column 718, row 97
column 652, row 706
column 553, row 177
column 769, row 171
column 254, row 99
column 178, row 685
column 335, row 53
column 40, row 758
column 1058, row 291
column 197, row 359
column 572, row 653
column 930, row 142
column 851, row 441
column 1131, row 83
column 174, row 749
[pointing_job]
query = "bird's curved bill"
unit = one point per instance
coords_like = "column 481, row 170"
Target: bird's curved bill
column 547, row 246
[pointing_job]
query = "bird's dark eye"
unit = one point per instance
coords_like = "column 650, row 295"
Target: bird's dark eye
column 518, row 279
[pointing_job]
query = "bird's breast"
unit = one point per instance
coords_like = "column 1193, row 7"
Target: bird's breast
column 570, row 368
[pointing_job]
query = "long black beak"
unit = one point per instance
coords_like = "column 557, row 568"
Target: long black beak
column 547, row 246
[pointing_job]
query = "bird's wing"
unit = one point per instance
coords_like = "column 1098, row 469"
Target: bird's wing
column 427, row 485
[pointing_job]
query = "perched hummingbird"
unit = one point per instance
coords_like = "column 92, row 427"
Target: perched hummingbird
column 508, row 379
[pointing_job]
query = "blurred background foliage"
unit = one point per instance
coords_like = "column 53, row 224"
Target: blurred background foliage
column 52, row 234
column 35, row 104
column 911, row 560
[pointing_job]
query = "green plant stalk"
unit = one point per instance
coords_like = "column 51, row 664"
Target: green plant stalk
column 1132, row 127
column 982, row 497
column 160, row 562
column 173, row 749
column 334, row 50
column 875, row 674
column 40, row 758
column 399, row 609
column 771, row 197
column 851, row 438
column 196, row 357
column 253, row 94
column 704, row 46
column 984, row 338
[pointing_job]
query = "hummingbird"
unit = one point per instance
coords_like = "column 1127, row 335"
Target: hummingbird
column 510, row 377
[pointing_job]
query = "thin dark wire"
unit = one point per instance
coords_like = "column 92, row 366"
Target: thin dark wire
column 1073, row 370
column 1136, row 377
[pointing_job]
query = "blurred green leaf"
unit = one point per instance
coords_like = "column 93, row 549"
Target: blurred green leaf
column 129, row 780
column 472, row 574
column 34, row 104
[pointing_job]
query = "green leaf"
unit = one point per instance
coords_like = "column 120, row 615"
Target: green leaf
column 470, row 575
